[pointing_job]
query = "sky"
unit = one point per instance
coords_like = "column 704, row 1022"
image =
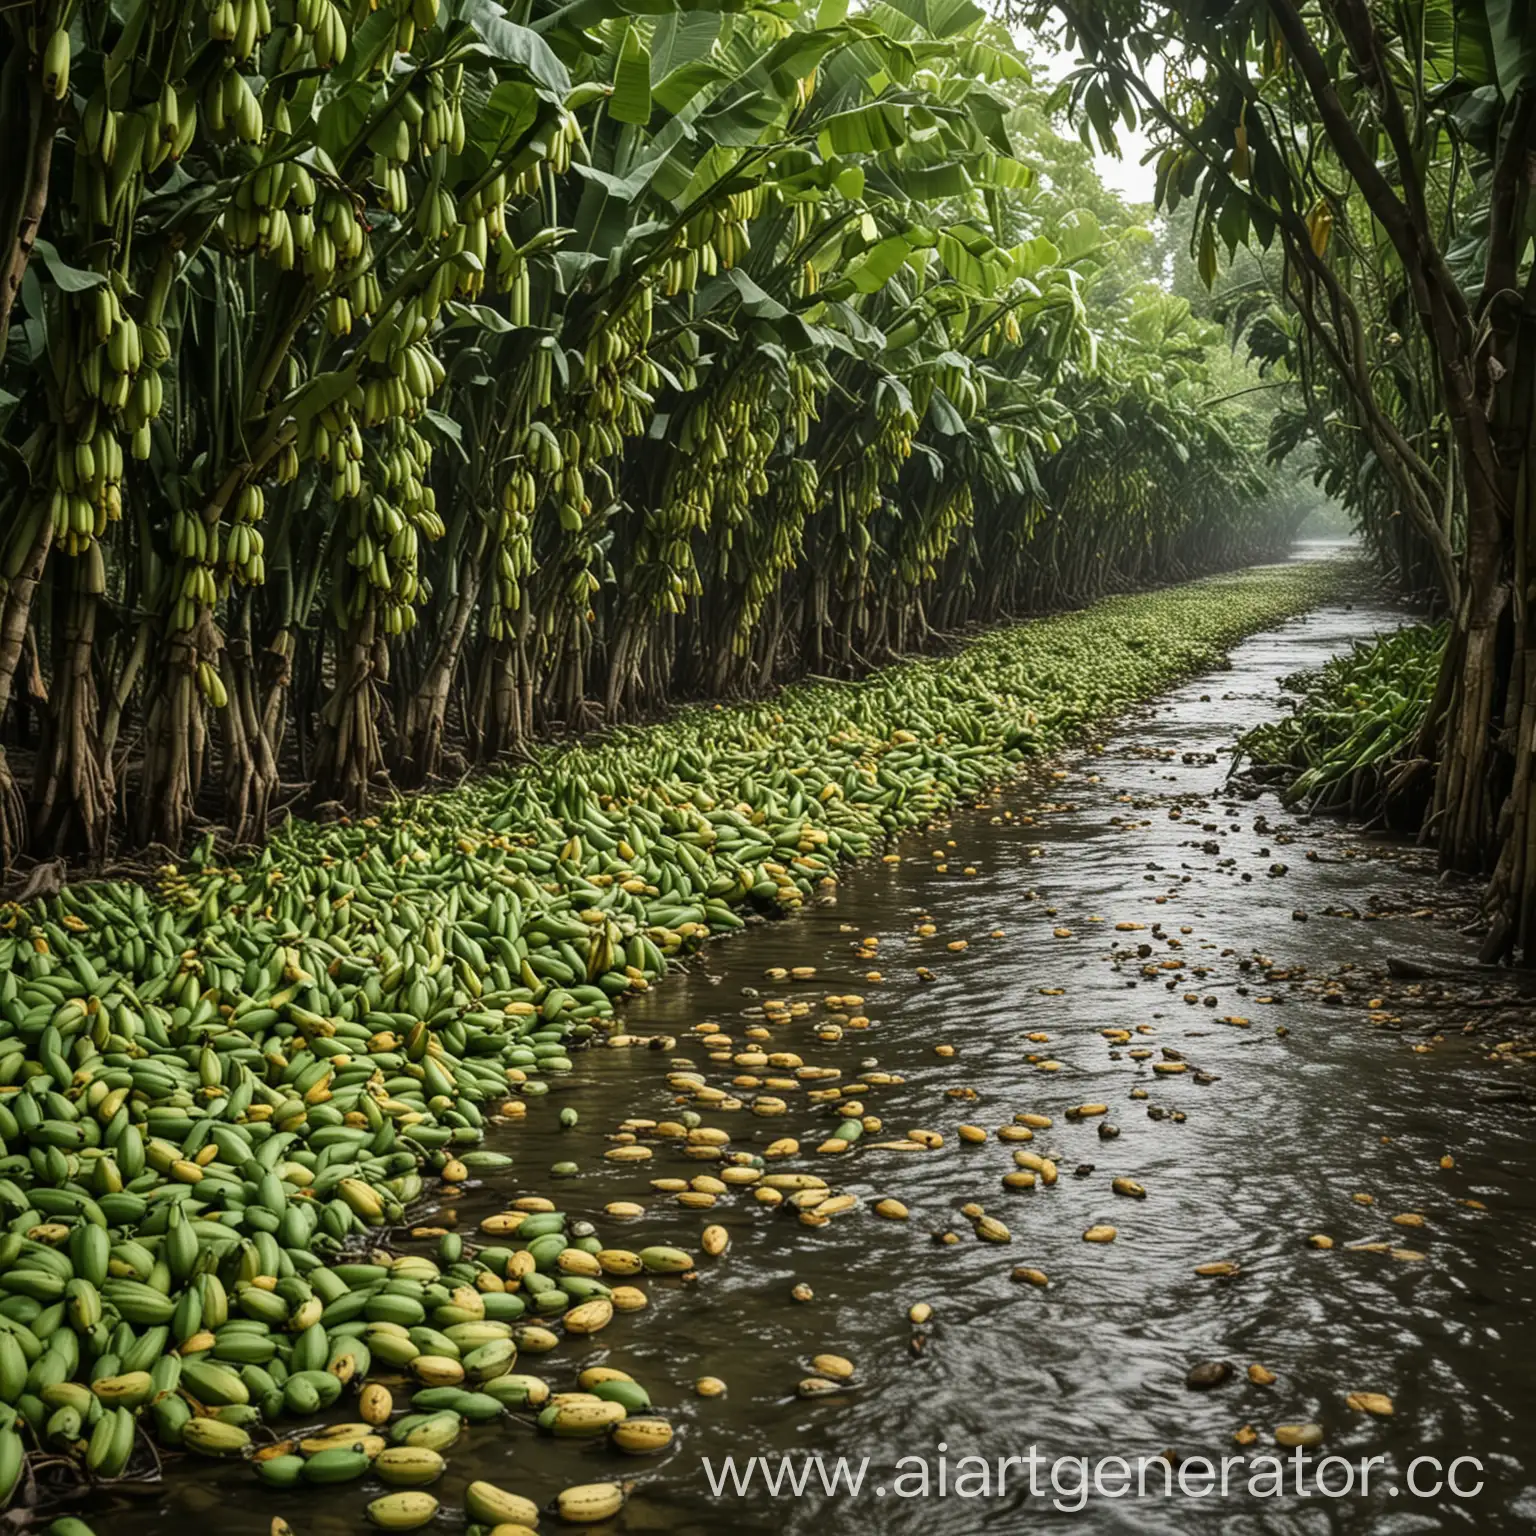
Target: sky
column 1125, row 173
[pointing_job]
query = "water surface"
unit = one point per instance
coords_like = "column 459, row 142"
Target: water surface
column 1285, row 1122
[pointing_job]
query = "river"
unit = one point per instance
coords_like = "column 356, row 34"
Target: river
column 1272, row 1133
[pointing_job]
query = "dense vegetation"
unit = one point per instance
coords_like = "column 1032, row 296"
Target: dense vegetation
column 1365, row 168
column 1353, row 722
column 390, row 382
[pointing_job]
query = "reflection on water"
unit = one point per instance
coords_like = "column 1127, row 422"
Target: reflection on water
column 1280, row 1133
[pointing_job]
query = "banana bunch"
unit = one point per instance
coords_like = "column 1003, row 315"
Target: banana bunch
column 391, row 143
column 106, row 370
column 384, row 533
column 620, row 336
column 481, row 228
column 240, row 25
column 681, row 272
column 361, row 300
column 488, row 203
column 856, row 491
column 97, row 141
column 405, row 392
column 714, row 238
column 750, row 203
column 192, row 538
column 244, row 548
column 437, row 213
column 144, row 405
column 961, row 387
column 514, row 551
column 442, row 123
column 318, row 31
column 86, row 490
column 230, row 108
column 273, row 213
column 921, row 542
column 571, row 504
column 541, row 448
column 328, row 232
column 514, row 564
column 286, row 464
column 514, row 279
column 700, row 435
column 539, row 392
column 332, row 438
column 567, row 135
column 471, row 238
column 729, row 244
column 506, row 600
column 211, row 685
column 519, row 499
column 414, row 371
column 808, row 383
column 771, row 544
column 619, row 375
column 118, row 148
column 724, row 446
column 412, row 16
column 600, row 439
column 195, row 587
column 700, row 228
column 338, row 315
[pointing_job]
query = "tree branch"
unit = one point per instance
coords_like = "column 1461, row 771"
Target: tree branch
column 43, row 122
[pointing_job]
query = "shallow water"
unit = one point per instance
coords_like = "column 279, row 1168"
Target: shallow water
column 1274, row 1148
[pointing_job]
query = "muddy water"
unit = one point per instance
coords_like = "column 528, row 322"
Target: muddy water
column 1286, row 1121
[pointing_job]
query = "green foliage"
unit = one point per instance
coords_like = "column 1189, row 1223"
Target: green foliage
column 1355, row 718
column 541, row 366
column 1332, row 172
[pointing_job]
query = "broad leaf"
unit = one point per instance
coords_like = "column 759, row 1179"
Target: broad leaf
column 631, row 99
column 680, row 39
column 868, row 130
column 70, row 279
column 513, row 44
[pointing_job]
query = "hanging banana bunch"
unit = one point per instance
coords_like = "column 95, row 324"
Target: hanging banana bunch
column 316, row 35
column 773, row 541
column 385, row 524
column 279, row 282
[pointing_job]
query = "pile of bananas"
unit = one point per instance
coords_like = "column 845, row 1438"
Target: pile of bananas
column 1354, row 718
column 213, row 1094
column 205, row 1100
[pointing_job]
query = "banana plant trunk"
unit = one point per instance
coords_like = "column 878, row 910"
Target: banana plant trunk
column 176, row 735
column 350, row 755
column 72, row 810
column 424, row 718
column 15, row 615
column 250, row 762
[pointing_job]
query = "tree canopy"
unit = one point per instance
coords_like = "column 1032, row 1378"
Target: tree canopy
column 1364, row 170
column 385, row 377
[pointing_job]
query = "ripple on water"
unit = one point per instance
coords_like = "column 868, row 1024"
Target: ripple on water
column 1273, row 1150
